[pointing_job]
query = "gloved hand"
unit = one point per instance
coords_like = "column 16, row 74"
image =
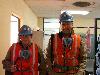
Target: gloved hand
column 13, row 68
column 8, row 66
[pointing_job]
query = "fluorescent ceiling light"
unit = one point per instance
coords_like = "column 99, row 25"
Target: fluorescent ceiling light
column 76, row 12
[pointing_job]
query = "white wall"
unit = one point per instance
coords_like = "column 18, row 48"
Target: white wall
column 19, row 8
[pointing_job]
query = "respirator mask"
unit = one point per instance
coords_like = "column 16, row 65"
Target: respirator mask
column 67, row 42
column 25, row 54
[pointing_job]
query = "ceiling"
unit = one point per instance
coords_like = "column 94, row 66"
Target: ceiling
column 52, row 8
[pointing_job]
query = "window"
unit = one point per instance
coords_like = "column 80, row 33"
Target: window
column 51, row 26
column 14, row 29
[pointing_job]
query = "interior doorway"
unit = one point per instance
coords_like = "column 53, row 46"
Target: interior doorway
column 14, row 27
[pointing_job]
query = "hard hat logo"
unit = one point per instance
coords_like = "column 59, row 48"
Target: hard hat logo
column 25, row 30
column 66, row 17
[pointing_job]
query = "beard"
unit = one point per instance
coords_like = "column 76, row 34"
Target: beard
column 67, row 32
column 26, row 43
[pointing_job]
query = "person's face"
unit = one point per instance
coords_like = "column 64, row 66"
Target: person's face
column 66, row 27
column 26, row 39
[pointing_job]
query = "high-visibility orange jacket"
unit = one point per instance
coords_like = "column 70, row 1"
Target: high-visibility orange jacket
column 65, row 57
column 24, row 66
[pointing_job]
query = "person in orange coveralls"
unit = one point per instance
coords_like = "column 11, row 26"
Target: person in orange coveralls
column 24, row 57
column 66, row 54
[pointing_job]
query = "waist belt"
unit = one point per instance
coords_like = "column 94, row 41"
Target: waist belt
column 24, row 70
column 66, row 68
